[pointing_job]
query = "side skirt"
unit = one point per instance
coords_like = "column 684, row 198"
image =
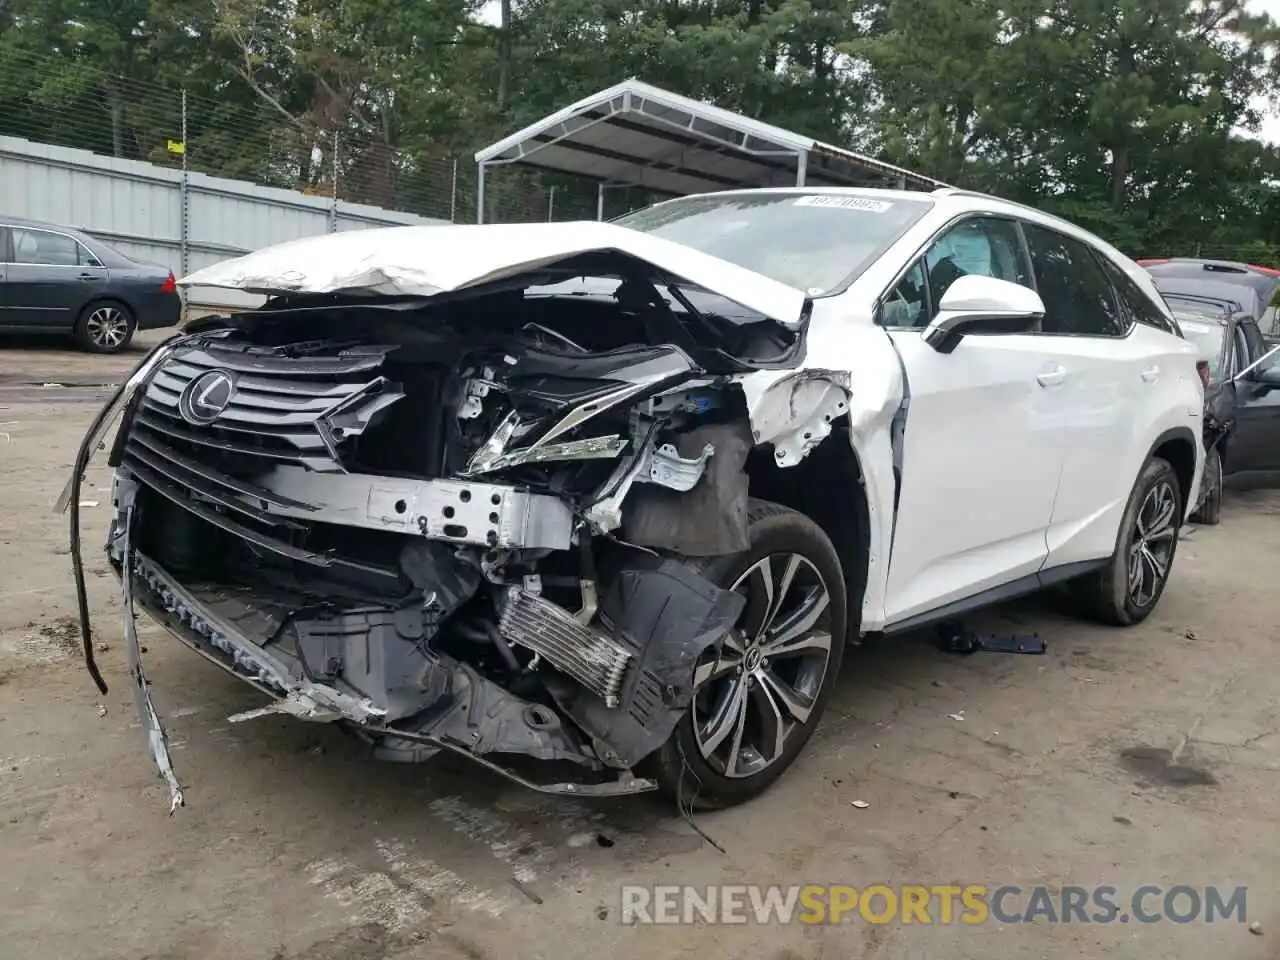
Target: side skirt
column 1001, row 594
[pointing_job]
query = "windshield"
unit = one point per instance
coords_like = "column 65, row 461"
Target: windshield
column 814, row 242
column 1205, row 334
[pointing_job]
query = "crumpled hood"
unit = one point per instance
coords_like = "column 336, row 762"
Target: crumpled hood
column 426, row 261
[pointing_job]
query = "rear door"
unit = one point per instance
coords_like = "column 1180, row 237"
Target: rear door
column 981, row 454
column 1115, row 377
column 50, row 278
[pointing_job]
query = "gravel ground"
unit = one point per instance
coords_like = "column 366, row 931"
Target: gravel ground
column 1120, row 758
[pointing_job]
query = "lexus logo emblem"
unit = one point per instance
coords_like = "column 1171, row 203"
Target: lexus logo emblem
column 206, row 397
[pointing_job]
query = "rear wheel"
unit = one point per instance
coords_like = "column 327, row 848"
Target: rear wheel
column 1127, row 589
column 758, row 698
column 105, row 328
column 1210, row 510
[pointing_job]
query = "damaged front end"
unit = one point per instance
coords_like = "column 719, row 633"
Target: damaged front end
column 472, row 525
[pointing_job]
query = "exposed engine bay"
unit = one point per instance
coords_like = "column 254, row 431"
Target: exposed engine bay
column 472, row 525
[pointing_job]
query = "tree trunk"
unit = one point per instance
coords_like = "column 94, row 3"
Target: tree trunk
column 504, row 55
column 1119, row 143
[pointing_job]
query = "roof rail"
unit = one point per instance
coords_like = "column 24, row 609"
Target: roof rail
column 961, row 192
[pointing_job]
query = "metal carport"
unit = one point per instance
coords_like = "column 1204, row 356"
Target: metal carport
column 636, row 135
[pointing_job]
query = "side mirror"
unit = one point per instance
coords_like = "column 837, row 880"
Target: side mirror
column 975, row 304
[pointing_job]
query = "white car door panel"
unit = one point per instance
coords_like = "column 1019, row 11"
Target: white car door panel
column 980, row 467
column 1103, row 439
column 1127, row 375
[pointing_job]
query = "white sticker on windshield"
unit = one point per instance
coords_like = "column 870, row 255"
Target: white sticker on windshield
column 847, row 203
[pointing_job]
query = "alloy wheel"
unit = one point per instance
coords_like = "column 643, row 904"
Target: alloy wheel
column 764, row 682
column 107, row 328
column 1154, row 538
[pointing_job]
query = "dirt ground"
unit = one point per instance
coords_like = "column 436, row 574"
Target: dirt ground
column 295, row 845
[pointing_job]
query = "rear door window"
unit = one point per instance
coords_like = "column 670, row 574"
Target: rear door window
column 1133, row 302
column 1078, row 297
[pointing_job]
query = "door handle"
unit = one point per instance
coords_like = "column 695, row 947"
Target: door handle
column 1051, row 378
column 1151, row 374
column 87, row 276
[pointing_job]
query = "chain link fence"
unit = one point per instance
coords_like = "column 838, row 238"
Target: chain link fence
column 59, row 101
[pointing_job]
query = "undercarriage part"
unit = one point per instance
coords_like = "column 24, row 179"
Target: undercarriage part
column 377, row 658
column 550, row 631
column 662, row 466
column 668, row 469
column 478, row 718
column 667, row 615
column 413, row 747
column 954, row 637
column 269, row 670
column 456, row 511
column 711, row 518
column 483, row 718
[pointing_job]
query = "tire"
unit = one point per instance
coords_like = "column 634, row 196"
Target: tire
column 1210, row 510
column 705, row 775
column 1108, row 595
column 106, row 326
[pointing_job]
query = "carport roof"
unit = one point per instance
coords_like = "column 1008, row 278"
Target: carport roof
column 635, row 134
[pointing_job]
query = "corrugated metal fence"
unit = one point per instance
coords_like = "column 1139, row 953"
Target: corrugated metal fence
column 184, row 220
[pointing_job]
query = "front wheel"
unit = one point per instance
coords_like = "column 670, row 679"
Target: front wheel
column 1127, row 589
column 105, row 328
column 758, row 698
column 1209, row 513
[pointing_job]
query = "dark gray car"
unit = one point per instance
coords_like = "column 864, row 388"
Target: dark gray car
column 1242, row 396
column 1264, row 282
column 59, row 280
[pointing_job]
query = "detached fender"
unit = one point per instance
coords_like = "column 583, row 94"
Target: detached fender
column 795, row 411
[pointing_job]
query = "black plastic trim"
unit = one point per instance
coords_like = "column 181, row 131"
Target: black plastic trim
column 1006, row 591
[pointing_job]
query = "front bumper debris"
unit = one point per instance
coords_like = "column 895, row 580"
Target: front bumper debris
column 484, row 718
column 157, row 739
column 343, row 631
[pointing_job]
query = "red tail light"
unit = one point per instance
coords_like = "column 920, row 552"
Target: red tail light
column 1202, row 368
column 1150, row 262
column 170, row 285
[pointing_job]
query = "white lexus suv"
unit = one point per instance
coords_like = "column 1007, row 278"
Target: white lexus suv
column 617, row 495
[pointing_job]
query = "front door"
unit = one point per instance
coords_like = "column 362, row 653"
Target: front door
column 1253, row 447
column 981, row 457
column 51, row 277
